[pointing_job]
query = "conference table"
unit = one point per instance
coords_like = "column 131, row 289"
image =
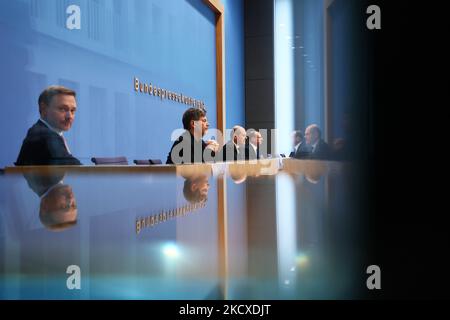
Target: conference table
column 269, row 229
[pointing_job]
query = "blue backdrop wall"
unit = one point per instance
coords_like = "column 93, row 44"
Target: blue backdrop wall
column 168, row 43
column 234, row 60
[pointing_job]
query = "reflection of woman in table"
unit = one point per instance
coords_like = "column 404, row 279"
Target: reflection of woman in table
column 58, row 209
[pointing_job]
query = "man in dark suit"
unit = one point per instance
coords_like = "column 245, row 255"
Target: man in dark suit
column 190, row 147
column 301, row 149
column 252, row 148
column 319, row 148
column 45, row 143
column 234, row 149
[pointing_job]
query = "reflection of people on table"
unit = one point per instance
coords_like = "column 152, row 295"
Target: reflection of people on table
column 313, row 171
column 238, row 173
column 45, row 143
column 58, row 209
column 196, row 188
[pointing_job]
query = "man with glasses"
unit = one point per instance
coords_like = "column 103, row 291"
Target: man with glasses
column 190, row 147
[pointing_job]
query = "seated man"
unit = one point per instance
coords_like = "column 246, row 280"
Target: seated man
column 301, row 150
column 44, row 143
column 319, row 148
column 190, row 147
column 252, row 148
column 234, row 149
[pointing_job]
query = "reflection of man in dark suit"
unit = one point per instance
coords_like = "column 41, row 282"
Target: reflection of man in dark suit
column 58, row 209
column 238, row 172
column 301, row 149
column 45, row 143
column 319, row 148
column 196, row 188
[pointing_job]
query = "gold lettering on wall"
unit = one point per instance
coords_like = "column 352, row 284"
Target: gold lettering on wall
column 166, row 94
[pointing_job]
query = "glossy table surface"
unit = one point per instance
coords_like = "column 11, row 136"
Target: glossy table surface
column 273, row 229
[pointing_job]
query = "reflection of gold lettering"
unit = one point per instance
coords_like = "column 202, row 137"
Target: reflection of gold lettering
column 145, row 88
column 138, row 226
column 165, row 215
column 150, row 89
column 136, row 84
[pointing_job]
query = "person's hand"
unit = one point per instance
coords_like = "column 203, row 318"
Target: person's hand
column 213, row 145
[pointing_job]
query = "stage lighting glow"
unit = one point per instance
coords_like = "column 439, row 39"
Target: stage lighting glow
column 171, row 250
column 302, row 260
